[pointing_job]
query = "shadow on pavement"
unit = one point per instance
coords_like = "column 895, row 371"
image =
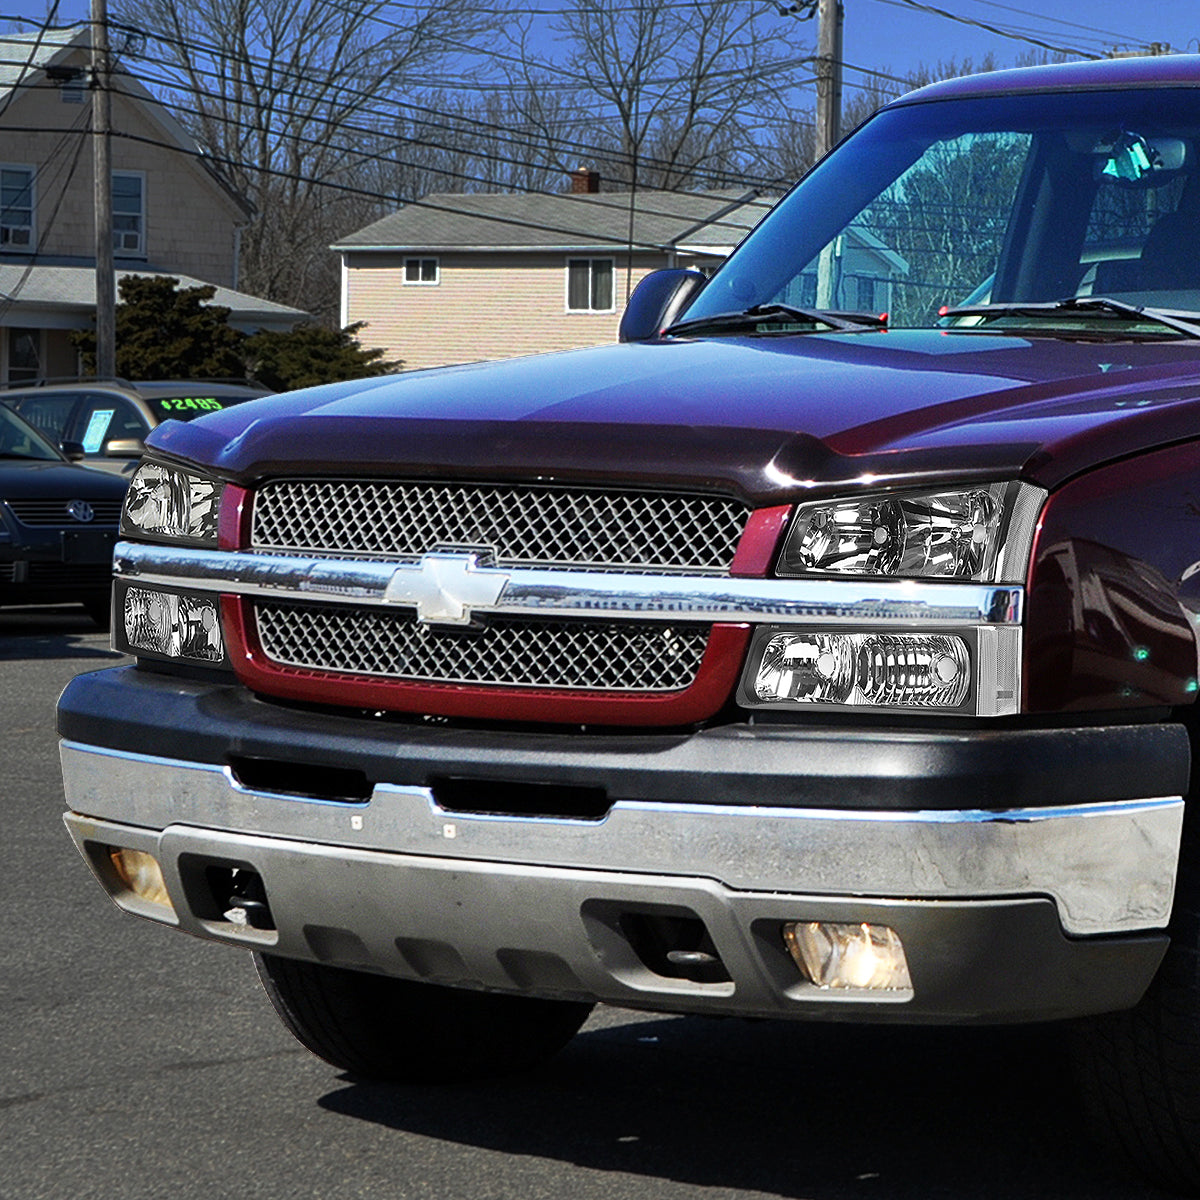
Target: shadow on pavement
column 60, row 631
column 820, row 1112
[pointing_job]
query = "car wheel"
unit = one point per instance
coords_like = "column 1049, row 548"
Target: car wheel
column 1140, row 1070
column 406, row 1032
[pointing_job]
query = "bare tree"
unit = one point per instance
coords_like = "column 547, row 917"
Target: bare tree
column 290, row 97
column 473, row 143
column 661, row 96
column 788, row 149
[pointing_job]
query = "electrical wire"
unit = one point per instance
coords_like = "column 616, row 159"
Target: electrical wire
column 27, row 66
column 8, row 299
column 1072, row 51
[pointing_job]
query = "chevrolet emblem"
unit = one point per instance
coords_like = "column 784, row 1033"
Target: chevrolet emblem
column 445, row 587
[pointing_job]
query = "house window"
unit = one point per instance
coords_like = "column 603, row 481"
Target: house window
column 16, row 208
column 24, row 355
column 866, row 301
column 421, row 270
column 589, row 285
column 129, row 214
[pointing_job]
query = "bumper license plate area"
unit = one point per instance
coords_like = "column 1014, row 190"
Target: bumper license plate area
column 90, row 547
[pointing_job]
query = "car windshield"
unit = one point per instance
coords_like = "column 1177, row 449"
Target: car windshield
column 19, row 439
column 990, row 201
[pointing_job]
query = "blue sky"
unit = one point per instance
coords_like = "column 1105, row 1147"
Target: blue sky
column 896, row 36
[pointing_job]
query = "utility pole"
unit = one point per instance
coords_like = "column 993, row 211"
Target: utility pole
column 829, row 75
column 829, row 127
column 106, row 301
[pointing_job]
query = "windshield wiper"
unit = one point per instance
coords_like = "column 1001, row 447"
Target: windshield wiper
column 1081, row 304
column 761, row 314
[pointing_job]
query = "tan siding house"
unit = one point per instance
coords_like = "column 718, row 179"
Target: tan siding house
column 466, row 277
column 172, row 214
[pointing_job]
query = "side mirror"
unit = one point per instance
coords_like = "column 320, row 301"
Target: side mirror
column 125, row 448
column 72, row 450
column 657, row 301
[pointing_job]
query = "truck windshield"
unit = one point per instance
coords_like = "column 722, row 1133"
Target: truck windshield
column 997, row 200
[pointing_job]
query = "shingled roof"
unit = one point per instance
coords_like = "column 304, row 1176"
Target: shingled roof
column 22, row 53
column 705, row 222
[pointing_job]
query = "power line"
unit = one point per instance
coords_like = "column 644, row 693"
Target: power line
column 460, row 119
column 453, row 123
column 1120, row 37
column 594, row 200
column 27, row 66
column 424, row 202
column 1005, row 33
column 7, row 300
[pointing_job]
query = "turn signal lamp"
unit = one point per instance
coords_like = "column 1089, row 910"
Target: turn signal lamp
column 865, row 958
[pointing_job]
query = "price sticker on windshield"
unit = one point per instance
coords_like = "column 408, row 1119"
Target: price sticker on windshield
column 192, row 404
column 97, row 427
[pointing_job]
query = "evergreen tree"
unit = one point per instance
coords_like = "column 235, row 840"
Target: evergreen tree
column 167, row 332
column 311, row 354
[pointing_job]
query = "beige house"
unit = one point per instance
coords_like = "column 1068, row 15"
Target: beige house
column 464, row 277
column 172, row 214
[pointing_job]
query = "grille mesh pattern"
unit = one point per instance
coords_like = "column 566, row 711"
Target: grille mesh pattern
column 527, row 527
column 54, row 512
column 549, row 654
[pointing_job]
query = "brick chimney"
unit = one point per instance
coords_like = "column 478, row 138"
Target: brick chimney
column 584, row 182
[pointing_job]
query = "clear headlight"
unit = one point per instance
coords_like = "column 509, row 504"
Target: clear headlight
column 981, row 532
column 172, row 624
column 168, row 502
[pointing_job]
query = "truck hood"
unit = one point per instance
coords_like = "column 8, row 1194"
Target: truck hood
column 768, row 417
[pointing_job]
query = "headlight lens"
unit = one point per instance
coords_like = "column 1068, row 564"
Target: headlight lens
column 978, row 533
column 167, row 502
column 908, row 670
column 171, row 624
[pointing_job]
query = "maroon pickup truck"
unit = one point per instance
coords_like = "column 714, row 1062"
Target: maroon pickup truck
column 827, row 649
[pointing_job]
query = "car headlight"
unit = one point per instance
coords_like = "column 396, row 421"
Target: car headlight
column 980, row 532
column 171, row 503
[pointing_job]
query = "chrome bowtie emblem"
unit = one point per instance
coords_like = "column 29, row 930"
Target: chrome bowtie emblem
column 445, row 587
column 81, row 510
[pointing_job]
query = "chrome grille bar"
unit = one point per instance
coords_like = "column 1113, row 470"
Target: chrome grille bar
column 42, row 512
column 568, row 594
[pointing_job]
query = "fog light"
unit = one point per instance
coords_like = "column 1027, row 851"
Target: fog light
column 858, row 957
column 141, row 874
column 173, row 625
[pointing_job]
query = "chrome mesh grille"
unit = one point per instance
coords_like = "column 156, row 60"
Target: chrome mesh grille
column 579, row 528
column 54, row 512
column 517, row 653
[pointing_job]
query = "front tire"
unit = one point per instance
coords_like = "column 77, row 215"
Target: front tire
column 1140, row 1070
column 400, row 1031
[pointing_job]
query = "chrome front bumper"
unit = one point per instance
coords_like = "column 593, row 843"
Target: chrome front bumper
column 999, row 912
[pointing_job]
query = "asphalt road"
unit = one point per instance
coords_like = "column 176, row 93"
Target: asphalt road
column 135, row 1063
